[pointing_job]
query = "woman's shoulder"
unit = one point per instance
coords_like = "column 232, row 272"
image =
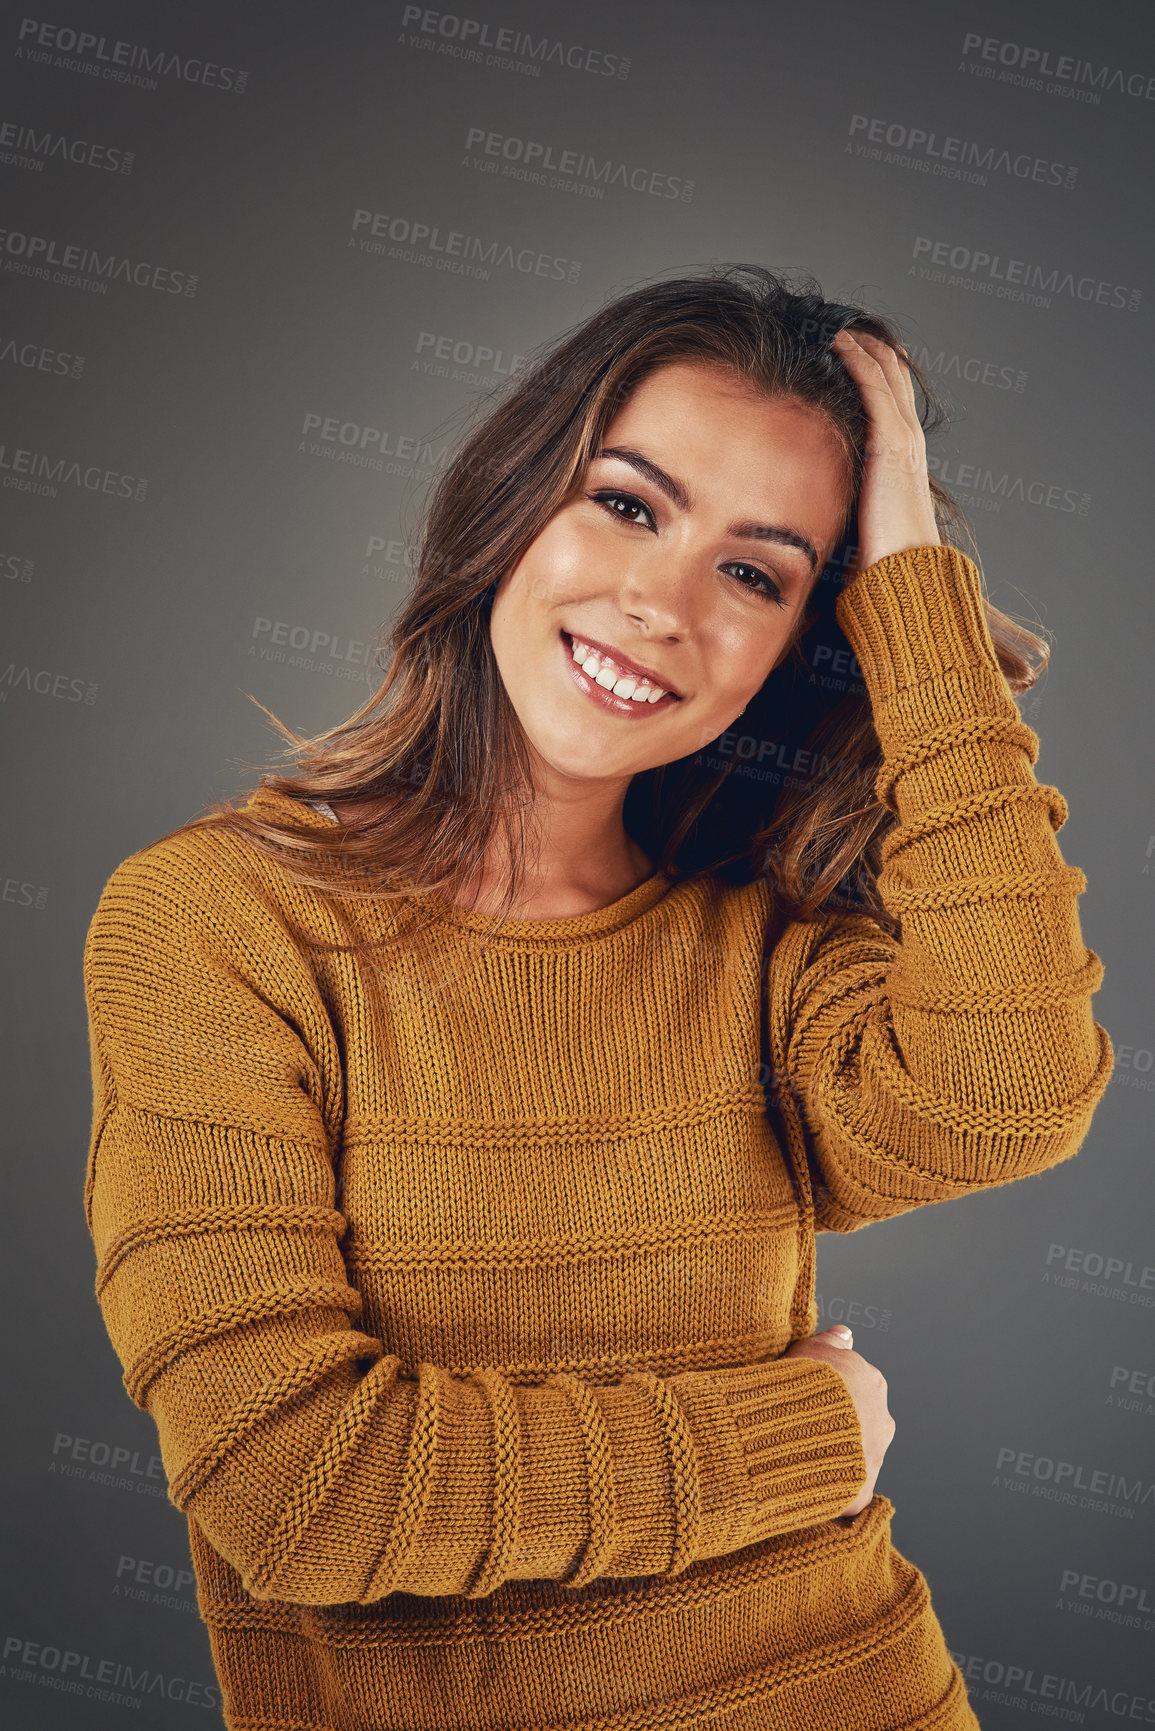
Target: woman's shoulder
column 200, row 858
column 201, row 877
column 210, row 841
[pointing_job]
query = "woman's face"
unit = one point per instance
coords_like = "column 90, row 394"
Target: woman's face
column 700, row 590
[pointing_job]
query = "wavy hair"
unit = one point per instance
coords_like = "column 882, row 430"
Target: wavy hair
column 435, row 761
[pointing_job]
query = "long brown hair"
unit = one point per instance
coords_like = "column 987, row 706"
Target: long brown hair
column 435, row 759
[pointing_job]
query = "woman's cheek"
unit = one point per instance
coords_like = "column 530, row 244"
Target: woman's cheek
column 569, row 561
column 556, row 572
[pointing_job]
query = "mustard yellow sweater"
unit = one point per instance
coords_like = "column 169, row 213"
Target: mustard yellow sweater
column 461, row 1317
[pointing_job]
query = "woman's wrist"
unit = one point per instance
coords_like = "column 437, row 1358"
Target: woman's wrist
column 915, row 615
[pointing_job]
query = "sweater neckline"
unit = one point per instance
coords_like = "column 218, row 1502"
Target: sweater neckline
column 596, row 922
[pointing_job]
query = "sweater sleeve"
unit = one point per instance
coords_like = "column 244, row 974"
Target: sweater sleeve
column 964, row 1054
column 314, row 1465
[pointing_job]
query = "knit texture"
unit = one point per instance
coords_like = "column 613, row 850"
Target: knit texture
column 457, row 1284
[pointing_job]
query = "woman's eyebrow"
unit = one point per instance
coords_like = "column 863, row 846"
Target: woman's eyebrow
column 680, row 494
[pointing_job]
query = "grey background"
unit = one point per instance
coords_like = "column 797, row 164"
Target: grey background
column 133, row 632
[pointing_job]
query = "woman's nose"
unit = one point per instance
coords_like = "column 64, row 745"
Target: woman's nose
column 662, row 593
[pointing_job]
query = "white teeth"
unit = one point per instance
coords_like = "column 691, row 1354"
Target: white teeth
column 607, row 676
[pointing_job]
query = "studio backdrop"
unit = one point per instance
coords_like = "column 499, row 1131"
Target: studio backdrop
column 261, row 266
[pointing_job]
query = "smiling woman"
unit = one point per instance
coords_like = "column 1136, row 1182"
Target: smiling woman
column 458, row 1154
column 682, row 471
column 661, row 580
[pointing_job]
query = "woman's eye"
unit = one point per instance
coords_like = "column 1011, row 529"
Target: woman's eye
column 758, row 581
column 606, row 499
column 762, row 583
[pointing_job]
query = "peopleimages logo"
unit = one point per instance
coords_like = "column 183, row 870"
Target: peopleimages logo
column 1100, row 1275
column 368, row 447
column 33, row 147
column 313, row 649
column 45, row 683
column 852, row 1311
column 17, row 567
column 1059, row 1481
column 446, row 357
column 392, row 561
column 950, row 157
column 150, row 1583
column 39, row 472
column 1133, row 1067
column 452, row 250
column 1017, row 279
column 17, row 892
column 1023, row 64
column 1127, row 1603
column 38, row 357
column 1132, row 1390
column 1023, row 1686
column 120, row 1683
column 502, row 46
column 970, row 368
column 988, row 489
column 565, row 170
column 122, row 62
column 36, row 255
column 109, row 1464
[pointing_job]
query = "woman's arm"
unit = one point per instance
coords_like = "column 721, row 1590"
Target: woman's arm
column 316, row 1469
column 965, row 1054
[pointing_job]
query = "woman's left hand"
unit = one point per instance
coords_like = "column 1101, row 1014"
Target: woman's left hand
column 895, row 506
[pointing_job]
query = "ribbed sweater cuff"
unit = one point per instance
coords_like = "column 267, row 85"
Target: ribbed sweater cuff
column 800, row 1441
column 759, row 1449
column 778, row 1447
column 915, row 616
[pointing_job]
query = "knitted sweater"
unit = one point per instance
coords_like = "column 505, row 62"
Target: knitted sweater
column 460, row 1304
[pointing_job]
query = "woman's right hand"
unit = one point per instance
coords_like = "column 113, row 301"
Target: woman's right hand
column 867, row 1387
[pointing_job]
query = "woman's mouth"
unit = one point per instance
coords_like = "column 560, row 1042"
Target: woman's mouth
column 620, row 692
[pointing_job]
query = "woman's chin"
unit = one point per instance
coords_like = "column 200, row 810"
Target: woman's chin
column 587, row 758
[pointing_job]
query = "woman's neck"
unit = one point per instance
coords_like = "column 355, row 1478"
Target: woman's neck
column 594, row 884
column 575, row 873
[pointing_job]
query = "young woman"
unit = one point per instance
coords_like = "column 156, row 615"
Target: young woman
column 466, row 1104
